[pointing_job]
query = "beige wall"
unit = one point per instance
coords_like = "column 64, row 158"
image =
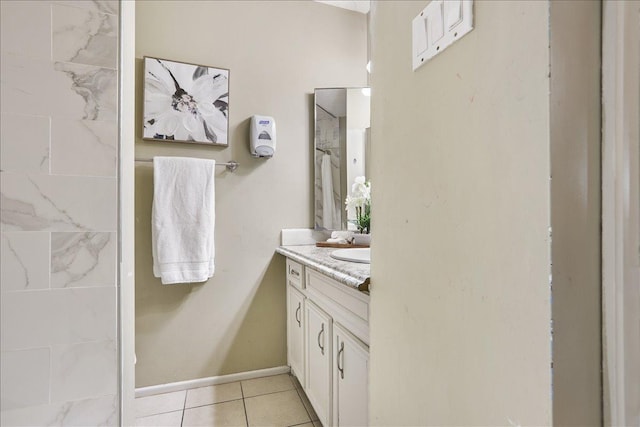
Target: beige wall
column 575, row 211
column 460, row 302
column 278, row 52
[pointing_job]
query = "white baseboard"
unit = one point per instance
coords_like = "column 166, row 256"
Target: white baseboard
column 204, row 382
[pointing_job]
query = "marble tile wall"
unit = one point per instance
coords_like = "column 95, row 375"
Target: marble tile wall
column 58, row 212
column 328, row 139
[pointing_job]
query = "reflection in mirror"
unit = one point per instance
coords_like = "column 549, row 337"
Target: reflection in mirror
column 342, row 122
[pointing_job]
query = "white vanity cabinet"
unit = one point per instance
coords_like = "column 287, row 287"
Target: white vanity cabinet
column 327, row 337
column 295, row 332
column 319, row 358
column 295, row 274
column 350, row 379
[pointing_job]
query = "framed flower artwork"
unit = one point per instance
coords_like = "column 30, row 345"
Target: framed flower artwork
column 185, row 102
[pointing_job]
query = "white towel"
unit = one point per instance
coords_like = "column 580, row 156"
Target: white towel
column 328, row 203
column 183, row 219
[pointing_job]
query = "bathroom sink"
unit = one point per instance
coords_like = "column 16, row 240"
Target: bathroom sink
column 361, row 255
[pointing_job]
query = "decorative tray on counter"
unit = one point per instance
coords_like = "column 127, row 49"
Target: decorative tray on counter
column 339, row 245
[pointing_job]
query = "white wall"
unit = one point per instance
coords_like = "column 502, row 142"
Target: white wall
column 460, row 301
column 358, row 121
column 575, row 211
column 59, row 219
column 126, row 179
column 277, row 53
column 621, row 213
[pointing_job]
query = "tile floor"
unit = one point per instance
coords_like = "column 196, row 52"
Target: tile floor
column 269, row 401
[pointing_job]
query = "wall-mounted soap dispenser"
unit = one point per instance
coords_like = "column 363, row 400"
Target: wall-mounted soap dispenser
column 263, row 136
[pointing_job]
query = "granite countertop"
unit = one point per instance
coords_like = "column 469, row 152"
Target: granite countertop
column 351, row 274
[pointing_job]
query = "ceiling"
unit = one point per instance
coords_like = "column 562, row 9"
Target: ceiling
column 361, row 6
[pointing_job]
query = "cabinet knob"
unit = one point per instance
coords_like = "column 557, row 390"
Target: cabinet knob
column 297, row 313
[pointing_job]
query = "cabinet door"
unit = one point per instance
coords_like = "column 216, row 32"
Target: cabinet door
column 350, row 380
column 319, row 356
column 295, row 333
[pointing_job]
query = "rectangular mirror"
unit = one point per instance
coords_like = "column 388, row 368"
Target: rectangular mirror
column 341, row 147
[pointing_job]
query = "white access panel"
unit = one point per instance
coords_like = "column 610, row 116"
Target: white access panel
column 438, row 25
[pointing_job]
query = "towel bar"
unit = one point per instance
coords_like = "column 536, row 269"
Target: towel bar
column 231, row 165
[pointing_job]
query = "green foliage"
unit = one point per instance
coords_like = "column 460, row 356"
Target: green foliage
column 363, row 219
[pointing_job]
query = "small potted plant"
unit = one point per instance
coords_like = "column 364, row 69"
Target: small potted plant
column 360, row 202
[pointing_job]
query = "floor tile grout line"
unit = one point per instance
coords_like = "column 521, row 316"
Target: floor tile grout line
column 213, row 403
column 164, row 411
column 271, row 392
column 304, row 406
column 159, row 413
column 230, row 400
column 216, row 403
column 300, row 390
column 243, row 398
column 244, row 405
column 184, row 405
column 191, row 388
